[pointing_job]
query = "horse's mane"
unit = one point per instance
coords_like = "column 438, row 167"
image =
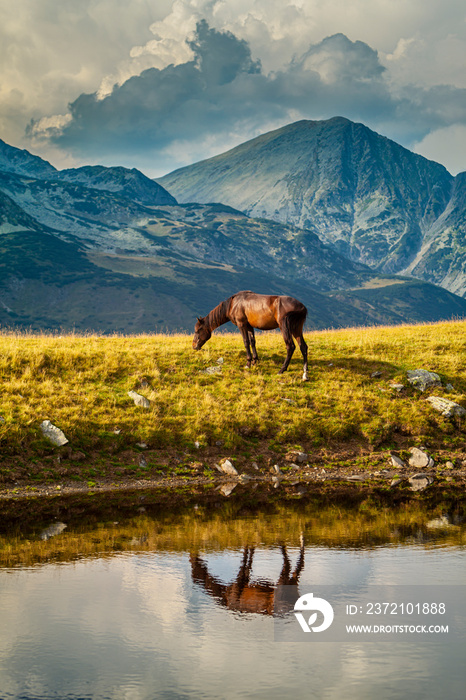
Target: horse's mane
column 218, row 316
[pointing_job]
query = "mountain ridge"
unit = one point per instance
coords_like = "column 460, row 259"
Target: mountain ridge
column 368, row 197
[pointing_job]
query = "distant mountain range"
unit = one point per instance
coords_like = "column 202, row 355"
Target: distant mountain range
column 370, row 199
column 108, row 249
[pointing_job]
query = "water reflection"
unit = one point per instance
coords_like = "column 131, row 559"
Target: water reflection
column 135, row 601
column 246, row 595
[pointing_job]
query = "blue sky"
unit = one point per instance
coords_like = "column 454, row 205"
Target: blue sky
column 157, row 84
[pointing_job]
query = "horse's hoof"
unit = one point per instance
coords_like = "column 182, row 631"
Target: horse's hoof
column 305, row 377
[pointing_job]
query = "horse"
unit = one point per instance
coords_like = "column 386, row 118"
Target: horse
column 246, row 596
column 249, row 310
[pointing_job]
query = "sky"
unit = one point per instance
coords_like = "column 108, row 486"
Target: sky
column 158, row 84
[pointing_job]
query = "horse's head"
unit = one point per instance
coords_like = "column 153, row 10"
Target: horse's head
column 202, row 333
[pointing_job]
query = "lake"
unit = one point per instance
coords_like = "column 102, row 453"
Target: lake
column 142, row 597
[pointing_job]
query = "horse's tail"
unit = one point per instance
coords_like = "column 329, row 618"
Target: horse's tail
column 294, row 321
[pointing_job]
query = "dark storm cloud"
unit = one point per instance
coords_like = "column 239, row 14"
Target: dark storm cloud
column 224, row 91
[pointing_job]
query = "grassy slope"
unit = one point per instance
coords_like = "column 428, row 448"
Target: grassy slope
column 81, row 385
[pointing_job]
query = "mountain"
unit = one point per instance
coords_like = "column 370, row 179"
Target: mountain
column 21, row 162
column 369, row 198
column 131, row 184
column 106, row 249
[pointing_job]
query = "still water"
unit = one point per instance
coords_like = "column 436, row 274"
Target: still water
column 132, row 601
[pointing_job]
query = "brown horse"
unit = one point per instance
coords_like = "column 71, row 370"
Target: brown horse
column 248, row 310
column 244, row 595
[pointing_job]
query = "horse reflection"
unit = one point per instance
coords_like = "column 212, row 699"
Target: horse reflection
column 246, row 596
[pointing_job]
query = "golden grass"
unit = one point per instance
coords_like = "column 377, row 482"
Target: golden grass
column 80, row 383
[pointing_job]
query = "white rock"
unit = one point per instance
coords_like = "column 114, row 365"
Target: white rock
column 446, row 407
column 419, row 458
column 213, row 370
column 439, row 523
column 422, row 379
column 52, row 530
column 396, row 387
column 52, row 433
column 138, row 399
column 419, row 482
column 226, row 489
column 227, row 468
column 397, row 461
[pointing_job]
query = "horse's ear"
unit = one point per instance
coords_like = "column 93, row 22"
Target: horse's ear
column 198, row 318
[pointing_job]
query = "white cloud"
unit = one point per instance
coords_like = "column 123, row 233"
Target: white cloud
column 447, row 146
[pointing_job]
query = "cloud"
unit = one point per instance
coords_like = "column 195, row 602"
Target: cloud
column 221, row 96
column 446, row 145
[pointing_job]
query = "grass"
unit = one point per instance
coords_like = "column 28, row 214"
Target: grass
column 81, row 384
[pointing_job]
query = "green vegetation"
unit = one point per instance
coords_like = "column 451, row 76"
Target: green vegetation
column 81, row 384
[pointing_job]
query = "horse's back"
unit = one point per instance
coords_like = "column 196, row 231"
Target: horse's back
column 263, row 311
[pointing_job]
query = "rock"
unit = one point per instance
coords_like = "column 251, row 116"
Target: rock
column 395, row 482
column 142, row 445
column 290, row 401
column 449, row 387
column 419, row 482
column 397, row 461
column 220, row 361
column 276, row 481
column 244, row 478
column 227, row 489
column 396, row 387
column 439, row 523
column 212, row 370
column 138, row 399
column 142, row 462
column 52, row 530
column 420, row 459
column 226, row 467
column 197, row 444
column 376, row 374
column 275, row 469
column 449, row 465
column 52, row 433
column 356, row 477
column 298, row 457
column 421, row 379
column 256, row 466
column 446, row 407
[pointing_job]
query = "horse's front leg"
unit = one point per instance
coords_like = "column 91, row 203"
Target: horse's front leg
column 245, row 334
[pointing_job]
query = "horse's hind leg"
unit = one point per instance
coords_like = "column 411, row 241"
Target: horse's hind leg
column 252, row 340
column 303, row 347
column 290, row 347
